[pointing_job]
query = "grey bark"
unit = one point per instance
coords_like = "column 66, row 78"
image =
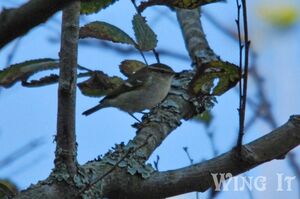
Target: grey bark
column 16, row 22
column 65, row 154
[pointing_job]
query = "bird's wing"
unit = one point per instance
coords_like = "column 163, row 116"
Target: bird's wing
column 132, row 83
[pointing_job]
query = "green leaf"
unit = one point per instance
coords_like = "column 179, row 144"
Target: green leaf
column 105, row 31
column 99, row 84
column 10, row 75
column 129, row 67
column 225, row 72
column 185, row 4
column 93, row 6
column 144, row 35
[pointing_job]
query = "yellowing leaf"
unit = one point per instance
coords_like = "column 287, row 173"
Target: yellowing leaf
column 22, row 71
column 10, row 75
column 105, row 31
column 279, row 15
column 99, row 84
column 93, row 6
column 186, row 4
column 129, row 67
column 225, row 72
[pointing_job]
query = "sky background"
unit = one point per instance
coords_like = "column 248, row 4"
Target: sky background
column 27, row 114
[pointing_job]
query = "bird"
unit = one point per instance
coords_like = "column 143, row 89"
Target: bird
column 144, row 89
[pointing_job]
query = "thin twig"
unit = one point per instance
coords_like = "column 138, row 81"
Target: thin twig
column 240, row 71
column 124, row 50
column 13, row 51
column 186, row 150
column 210, row 134
column 243, row 71
column 27, row 148
column 156, row 163
column 266, row 114
column 29, row 166
column 292, row 160
column 219, row 25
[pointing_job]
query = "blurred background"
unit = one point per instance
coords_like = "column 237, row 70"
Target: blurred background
column 28, row 115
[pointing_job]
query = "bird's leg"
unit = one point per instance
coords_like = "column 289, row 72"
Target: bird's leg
column 134, row 117
column 145, row 114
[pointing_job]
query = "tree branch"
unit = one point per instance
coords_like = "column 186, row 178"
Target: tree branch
column 21, row 152
column 16, row 22
column 274, row 145
column 65, row 154
column 194, row 36
column 120, row 184
column 161, row 121
column 243, row 72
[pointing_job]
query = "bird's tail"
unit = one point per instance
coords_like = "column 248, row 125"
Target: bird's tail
column 94, row 109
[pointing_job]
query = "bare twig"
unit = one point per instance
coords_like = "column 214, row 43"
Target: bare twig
column 186, row 150
column 241, row 122
column 65, row 154
column 19, row 153
column 210, row 134
column 13, row 51
column 243, row 71
column 29, row 166
column 128, row 50
column 264, row 112
column 131, row 150
column 292, row 160
column 221, row 26
column 156, row 163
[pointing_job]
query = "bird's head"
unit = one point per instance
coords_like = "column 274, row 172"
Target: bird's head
column 161, row 69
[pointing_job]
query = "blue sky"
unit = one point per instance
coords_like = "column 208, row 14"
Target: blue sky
column 28, row 113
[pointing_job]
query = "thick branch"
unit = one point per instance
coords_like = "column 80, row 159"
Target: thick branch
column 120, row 184
column 162, row 121
column 194, row 36
column 66, row 138
column 198, row 177
column 16, row 22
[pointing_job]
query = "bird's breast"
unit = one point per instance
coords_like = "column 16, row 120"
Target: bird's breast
column 145, row 97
